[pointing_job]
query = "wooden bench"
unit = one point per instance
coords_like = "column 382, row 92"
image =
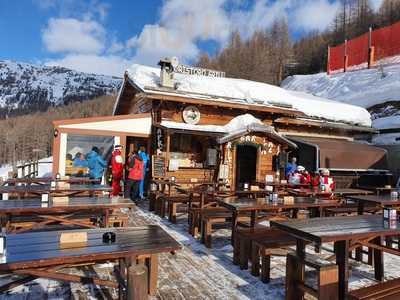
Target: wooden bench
column 388, row 290
column 273, row 242
column 194, row 216
column 327, row 277
column 242, row 244
column 173, row 203
column 209, row 217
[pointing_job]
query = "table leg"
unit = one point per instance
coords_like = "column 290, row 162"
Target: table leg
column 378, row 259
column 253, row 218
column 295, row 272
column 360, row 211
column 234, row 224
column 342, row 260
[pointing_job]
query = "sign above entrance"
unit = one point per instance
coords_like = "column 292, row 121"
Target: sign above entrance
column 191, row 115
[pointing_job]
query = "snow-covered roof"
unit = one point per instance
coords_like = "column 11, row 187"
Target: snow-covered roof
column 251, row 93
column 233, row 125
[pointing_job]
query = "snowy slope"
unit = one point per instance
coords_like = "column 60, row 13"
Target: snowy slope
column 251, row 92
column 364, row 88
column 376, row 89
column 26, row 87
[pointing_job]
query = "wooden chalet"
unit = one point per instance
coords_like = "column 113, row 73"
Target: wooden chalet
column 207, row 127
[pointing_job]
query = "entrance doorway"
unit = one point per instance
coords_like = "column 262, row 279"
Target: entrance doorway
column 246, row 164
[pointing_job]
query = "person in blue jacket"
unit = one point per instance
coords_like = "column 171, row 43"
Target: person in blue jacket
column 145, row 158
column 80, row 161
column 96, row 164
column 291, row 167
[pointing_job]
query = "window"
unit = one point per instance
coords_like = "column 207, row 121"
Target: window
column 78, row 149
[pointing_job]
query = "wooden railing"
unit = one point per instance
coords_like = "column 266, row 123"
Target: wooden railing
column 29, row 169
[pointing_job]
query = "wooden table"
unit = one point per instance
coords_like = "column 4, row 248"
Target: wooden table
column 48, row 180
column 72, row 190
column 346, row 233
column 42, row 214
column 318, row 193
column 240, row 205
column 381, row 189
column 377, row 200
column 40, row 255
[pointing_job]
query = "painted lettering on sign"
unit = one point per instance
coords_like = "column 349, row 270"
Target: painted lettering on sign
column 188, row 70
column 160, row 139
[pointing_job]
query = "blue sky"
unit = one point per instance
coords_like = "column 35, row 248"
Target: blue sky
column 105, row 36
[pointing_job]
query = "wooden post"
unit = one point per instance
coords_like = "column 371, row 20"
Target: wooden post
column 371, row 57
column 346, row 58
column 328, row 64
column 137, row 282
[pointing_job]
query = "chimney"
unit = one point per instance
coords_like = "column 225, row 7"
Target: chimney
column 167, row 73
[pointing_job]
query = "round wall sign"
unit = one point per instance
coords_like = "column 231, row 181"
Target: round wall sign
column 191, row 115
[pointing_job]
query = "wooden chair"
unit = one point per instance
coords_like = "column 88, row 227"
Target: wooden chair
column 327, row 277
column 388, row 290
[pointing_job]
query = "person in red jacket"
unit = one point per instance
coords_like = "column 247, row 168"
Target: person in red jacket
column 117, row 169
column 135, row 175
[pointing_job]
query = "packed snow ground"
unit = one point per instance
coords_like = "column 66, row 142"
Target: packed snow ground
column 250, row 92
column 194, row 272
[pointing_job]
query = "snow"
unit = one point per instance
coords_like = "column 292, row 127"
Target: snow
column 250, row 92
column 387, row 122
column 235, row 124
column 364, row 88
column 386, row 139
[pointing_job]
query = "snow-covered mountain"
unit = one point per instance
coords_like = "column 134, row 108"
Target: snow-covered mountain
column 26, row 88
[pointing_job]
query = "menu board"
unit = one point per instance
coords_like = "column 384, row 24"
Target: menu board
column 158, row 166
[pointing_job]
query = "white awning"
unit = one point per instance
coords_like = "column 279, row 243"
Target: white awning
column 131, row 125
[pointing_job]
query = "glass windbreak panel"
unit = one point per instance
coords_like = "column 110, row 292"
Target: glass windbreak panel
column 88, row 155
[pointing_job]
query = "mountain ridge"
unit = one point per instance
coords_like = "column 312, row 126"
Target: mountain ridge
column 27, row 88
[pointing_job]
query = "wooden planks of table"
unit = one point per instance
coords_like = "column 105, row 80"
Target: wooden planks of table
column 72, row 190
column 347, row 233
column 40, row 255
column 239, row 205
column 42, row 214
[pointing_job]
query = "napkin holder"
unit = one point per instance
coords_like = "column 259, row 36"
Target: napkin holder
column 63, row 185
column 73, row 239
column 288, row 200
column 269, row 188
column 60, row 200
